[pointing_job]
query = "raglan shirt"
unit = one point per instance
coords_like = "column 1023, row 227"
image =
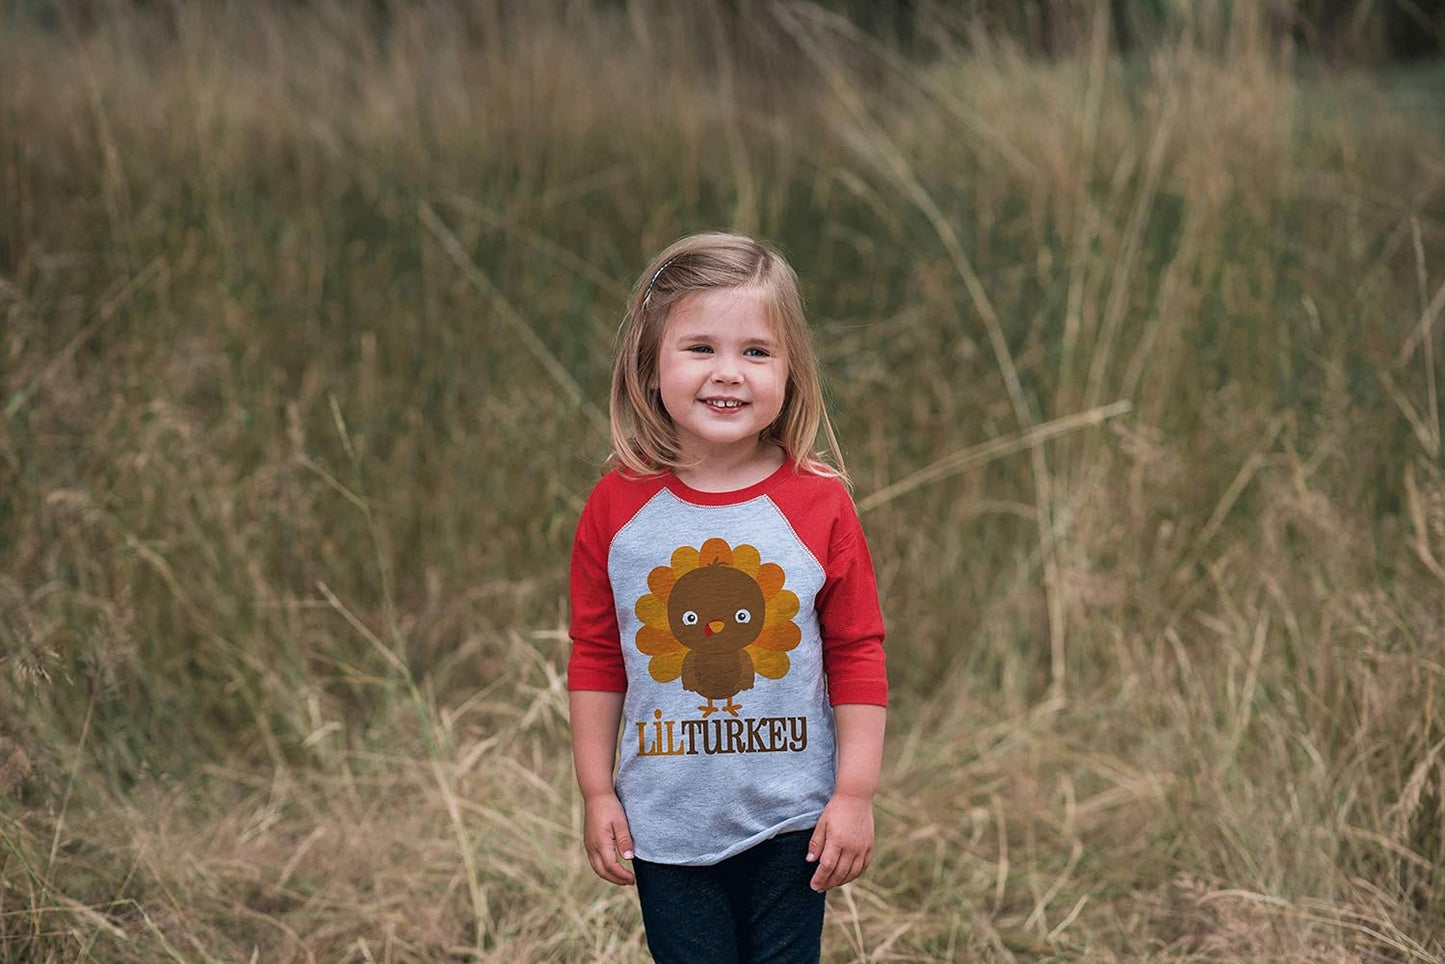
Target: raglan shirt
column 734, row 622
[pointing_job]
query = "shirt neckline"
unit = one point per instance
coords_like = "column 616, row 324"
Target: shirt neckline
column 687, row 493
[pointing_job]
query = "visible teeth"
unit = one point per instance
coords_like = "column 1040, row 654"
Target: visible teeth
column 719, row 403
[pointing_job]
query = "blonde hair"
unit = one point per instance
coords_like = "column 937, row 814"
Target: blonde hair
column 644, row 440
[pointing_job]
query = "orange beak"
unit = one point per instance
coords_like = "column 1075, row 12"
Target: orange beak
column 714, row 626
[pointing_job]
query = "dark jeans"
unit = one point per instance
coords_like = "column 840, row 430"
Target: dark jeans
column 753, row 908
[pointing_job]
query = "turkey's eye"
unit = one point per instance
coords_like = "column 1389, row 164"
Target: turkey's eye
column 743, row 616
column 689, row 618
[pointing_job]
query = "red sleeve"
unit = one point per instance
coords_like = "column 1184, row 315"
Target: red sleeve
column 596, row 660
column 850, row 618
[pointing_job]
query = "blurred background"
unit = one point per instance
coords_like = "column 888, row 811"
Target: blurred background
column 1130, row 314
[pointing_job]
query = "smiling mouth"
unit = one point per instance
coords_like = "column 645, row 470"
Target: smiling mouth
column 723, row 405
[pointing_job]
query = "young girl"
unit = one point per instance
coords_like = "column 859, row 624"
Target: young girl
column 724, row 609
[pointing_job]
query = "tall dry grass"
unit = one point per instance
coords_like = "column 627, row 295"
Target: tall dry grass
column 306, row 319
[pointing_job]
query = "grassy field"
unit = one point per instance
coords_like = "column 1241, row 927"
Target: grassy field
column 304, row 336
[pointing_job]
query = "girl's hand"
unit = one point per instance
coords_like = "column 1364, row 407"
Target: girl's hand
column 842, row 842
column 605, row 833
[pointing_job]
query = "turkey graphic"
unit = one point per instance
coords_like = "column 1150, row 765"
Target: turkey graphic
column 718, row 617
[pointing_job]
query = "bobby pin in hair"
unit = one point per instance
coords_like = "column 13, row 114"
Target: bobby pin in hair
column 655, row 277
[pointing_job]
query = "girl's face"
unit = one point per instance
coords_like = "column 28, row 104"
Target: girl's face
column 721, row 371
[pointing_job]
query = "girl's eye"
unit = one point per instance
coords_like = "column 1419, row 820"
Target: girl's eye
column 689, row 618
column 701, row 348
column 743, row 616
column 761, row 352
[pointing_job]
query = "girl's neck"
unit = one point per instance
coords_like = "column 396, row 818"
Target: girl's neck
column 719, row 473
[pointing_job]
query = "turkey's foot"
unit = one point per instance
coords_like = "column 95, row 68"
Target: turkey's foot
column 709, row 710
column 731, row 707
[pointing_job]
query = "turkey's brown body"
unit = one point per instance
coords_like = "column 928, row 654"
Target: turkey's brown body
column 717, row 676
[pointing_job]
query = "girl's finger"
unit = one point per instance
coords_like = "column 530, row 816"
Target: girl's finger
column 624, row 839
column 844, row 873
column 620, row 874
column 618, row 839
column 820, row 840
column 827, row 874
column 595, row 862
column 594, row 858
column 597, row 857
column 616, row 877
